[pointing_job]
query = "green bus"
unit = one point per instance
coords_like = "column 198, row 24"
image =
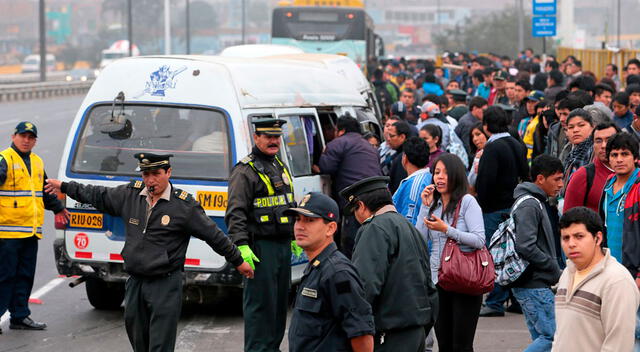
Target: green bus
column 344, row 31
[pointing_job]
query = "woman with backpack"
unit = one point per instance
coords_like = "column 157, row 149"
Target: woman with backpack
column 449, row 212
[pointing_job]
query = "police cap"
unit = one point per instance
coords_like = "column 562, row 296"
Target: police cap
column 269, row 127
column 501, row 76
column 26, row 126
column 458, row 94
column 150, row 161
column 507, row 108
column 369, row 184
column 317, row 205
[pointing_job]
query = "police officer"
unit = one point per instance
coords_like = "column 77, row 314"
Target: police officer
column 22, row 205
column 260, row 190
column 393, row 262
column 160, row 219
column 330, row 312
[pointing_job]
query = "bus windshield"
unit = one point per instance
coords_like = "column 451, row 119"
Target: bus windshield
column 197, row 138
column 328, row 24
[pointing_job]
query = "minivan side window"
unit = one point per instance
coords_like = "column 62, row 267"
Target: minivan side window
column 296, row 138
column 197, row 138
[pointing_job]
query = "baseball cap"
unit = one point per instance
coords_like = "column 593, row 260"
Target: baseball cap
column 26, row 126
column 501, row 76
column 536, row 95
column 317, row 205
column 430, row 109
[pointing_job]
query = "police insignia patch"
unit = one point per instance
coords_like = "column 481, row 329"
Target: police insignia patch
column 183, row 195
column 165, row 220
column 308, row 292
column 138, row 184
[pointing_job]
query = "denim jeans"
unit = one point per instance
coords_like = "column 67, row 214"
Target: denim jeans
column 496, row 298
column 538, row 309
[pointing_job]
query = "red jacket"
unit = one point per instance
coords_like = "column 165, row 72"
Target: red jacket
column 574, row 194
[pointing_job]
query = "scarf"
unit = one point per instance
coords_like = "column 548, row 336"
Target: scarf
column 579, row 155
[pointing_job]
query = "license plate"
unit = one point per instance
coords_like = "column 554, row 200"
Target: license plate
column 87, row 220
column 212, row 200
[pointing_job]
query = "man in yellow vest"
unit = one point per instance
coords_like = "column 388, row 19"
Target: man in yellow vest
column 22, row 205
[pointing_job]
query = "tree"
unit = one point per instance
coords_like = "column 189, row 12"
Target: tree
column 496, row 32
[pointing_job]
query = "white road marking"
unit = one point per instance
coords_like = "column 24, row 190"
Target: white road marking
column 38, row 294
column 185, row 341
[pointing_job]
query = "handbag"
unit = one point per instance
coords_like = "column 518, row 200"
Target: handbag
column 469, row 273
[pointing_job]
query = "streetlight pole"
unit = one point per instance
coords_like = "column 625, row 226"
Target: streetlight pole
column 520, row 10
column 130, row 27
column 188, row 20
column 167, row 28
column 244, row 21
column 43, row 41
column 619, row 20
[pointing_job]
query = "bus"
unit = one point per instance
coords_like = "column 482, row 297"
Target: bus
column 342, row 29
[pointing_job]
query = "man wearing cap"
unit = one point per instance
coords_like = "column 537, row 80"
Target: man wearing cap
column 498, row 93
column 160, row 219
column 330, row 312
column 393, row 262
column 477, row 106
column 22, row 206
column 260, row 190
column 459, row 106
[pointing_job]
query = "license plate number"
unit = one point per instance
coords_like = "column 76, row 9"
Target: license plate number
column 212, row 200
column 92, row 221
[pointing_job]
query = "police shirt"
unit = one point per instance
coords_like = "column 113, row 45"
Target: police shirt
column 330, row 308
column 156, row 237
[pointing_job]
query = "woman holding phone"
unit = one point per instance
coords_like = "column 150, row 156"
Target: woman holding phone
column 448, row 211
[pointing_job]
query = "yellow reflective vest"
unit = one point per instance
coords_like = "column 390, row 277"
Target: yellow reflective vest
column 21, row 202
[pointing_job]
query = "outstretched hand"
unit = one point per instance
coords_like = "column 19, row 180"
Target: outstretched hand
column 52, row 186
column 245, row 270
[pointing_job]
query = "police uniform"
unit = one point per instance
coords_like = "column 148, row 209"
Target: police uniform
column 260, row 190
column 155, row 250
column 330, row 308
column 393, row 262
column 459, row 110
column 22, row 206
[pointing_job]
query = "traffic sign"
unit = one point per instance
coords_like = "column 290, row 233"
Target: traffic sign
column 544, row 7
column 543, row 26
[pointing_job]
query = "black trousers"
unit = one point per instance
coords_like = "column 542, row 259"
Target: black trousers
column 265, row 298
column 152, row 310
column 457, row 321
column 405, row 340
column 18, row 258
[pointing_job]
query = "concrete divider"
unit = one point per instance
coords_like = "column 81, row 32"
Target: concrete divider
column 24, row 91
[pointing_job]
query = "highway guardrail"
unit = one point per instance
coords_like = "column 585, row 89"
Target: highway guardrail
column 23, row 91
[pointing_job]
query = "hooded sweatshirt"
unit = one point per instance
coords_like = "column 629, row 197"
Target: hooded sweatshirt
column 535, row 239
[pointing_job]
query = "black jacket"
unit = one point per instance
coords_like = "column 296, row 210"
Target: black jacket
column 157, row 246
column 502, row 166
column 397, row 173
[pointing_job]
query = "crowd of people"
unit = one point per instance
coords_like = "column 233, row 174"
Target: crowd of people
column 482, row 140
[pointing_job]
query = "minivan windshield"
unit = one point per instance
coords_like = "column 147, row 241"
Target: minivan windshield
column 198, row 139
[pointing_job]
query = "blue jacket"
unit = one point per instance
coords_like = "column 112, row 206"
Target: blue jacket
column 348, row 159
column 407, row 197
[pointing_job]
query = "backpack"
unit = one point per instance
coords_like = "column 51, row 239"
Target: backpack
column 457, row 147
column 507, row 262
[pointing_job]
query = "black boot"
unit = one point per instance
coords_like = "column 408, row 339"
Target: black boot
column 27, row 324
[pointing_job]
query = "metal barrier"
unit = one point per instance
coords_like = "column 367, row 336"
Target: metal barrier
column 24, row 91
column 595, row 60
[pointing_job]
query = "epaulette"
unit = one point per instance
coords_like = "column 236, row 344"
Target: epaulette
column 183, row 195
column 138, row 184
column 247, row 159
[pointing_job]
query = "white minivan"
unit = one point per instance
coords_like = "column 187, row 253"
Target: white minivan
column 198, row 108
column 31, row 63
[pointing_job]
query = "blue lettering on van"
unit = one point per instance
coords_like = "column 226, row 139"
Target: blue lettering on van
column 161, row 80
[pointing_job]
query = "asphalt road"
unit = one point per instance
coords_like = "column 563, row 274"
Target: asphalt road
column 73, row 323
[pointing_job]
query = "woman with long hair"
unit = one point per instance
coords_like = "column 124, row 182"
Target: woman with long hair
column 432, row 134
column 477, row 139
column 448, row 211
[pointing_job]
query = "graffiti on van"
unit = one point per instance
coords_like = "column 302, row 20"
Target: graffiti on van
column 161, row 80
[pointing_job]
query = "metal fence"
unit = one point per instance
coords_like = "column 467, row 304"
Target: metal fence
column 595, row 60
column 11, row 92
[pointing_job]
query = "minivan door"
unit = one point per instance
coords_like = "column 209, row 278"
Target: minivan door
column 303, row 143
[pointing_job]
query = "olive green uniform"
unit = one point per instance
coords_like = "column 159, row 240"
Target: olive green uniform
column 393, row 262
column 260, row 190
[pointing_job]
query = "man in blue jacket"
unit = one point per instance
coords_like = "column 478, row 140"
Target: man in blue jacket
column 348, row 159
